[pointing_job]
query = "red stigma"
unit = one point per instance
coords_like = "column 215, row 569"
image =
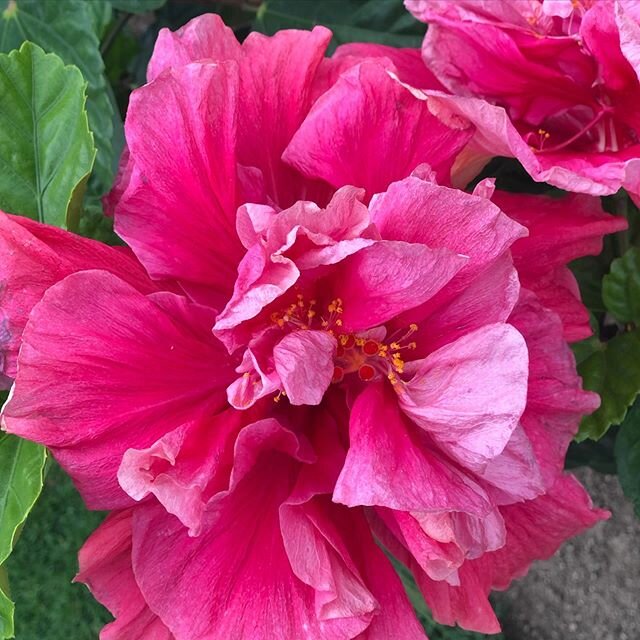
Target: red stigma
column 370, row 348
column 366, row 372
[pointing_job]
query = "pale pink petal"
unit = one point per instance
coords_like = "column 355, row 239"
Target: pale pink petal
column 389, row 277
column 391, row 463
column 414, row 210
column 186, row 466
column 304, row 363
column 104, row 368
column 470, row 394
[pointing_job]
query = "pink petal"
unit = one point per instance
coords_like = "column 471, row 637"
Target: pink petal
column 399, row 122
column 408, row 63
column 278, row 84
column 470, row 394
column 304, row 362
column 104, row 368
column 35, row 256
column 229, row 568
column 389, row 277
column 302, row 237
column 414, row 210
column 489, row 298
column 467, row 606
column 276, row 94
column 205, row 37
column 556, row 401
column 105, row 567
column 560, row 230
column 178, row 211
column 391, row 464
column 584, row 172
column 537, row 528
column 186, row 466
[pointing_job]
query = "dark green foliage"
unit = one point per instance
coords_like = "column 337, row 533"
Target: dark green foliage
column 48, row 605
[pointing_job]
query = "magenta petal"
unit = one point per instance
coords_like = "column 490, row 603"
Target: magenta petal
column 560, row 230
column 556, row 401
column 186, row 466
column 414, row 210
column 35, row 256
column 382, row 441
column 104, row 368
column 304, row 362
column 206, row 37
column 226, row 568
column 467, row 606
column 535, row 531
column 179, row 209
column 399, row 122
column 389, row 277
column 408, row 63
column 105, row 567
column 469, row 395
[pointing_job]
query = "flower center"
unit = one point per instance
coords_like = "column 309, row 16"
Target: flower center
column 364, row 353
column 370, row 358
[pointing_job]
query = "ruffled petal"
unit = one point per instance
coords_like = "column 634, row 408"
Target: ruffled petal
column 231, row 569
column 104, row 368
column 535, row 531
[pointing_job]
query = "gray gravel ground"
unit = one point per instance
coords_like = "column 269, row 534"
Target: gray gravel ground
column 591, row 589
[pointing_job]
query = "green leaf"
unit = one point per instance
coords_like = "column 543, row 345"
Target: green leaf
column 589, row 272
column 627, row 452
column 46, row 148
column 21, row 478
column 6, row 606
column 137, row 6
column 101, row 11
column 68, row 29
column 621, row 287
column 613, row 371
column 382, row 21
column 598, row 455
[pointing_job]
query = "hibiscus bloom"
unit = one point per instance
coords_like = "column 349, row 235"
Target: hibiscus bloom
column 333, row 352
column 562, row 74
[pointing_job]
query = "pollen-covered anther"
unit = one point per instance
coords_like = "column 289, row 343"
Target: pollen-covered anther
column 279, row 396
column 299, row 314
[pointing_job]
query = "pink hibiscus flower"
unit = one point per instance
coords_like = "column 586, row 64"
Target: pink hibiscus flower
column 562, row 74
column 335, row 350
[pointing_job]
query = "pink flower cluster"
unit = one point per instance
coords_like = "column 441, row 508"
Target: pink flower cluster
column 560, row 79
column 314, row 349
